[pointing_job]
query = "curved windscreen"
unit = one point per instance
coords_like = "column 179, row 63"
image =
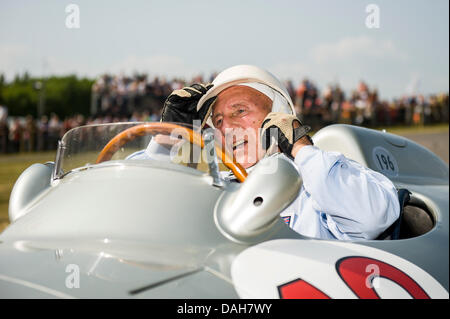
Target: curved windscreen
column 87, row 146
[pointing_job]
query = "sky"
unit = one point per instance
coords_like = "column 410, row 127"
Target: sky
column 327, row 41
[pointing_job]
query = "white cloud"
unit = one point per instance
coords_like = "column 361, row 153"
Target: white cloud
column 352, row 47
column 9, row 52
column 12, row 58
column 346, row 61
column 16, row 59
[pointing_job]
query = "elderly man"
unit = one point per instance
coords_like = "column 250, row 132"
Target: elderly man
column 339, row 199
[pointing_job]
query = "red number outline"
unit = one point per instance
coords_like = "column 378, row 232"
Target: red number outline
column 300, row 289
column 352, row 271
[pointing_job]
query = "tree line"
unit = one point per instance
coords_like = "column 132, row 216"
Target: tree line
column 62, row 95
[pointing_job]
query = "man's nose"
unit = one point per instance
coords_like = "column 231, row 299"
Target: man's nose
column 228, row 130
column 227, row 124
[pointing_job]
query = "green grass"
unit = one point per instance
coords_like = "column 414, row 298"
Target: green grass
column 407, row 130
column 401, row 130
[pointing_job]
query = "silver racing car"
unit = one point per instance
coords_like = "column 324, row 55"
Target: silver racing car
column 99, row 223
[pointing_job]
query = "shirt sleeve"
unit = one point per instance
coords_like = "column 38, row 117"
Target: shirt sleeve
column 354, row 202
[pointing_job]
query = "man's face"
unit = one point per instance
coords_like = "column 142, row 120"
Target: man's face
column 238, row 114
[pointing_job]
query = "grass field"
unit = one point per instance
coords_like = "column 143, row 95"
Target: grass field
column 404, row 131
column 12, row 165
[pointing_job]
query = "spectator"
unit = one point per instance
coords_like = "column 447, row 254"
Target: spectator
column 29, row 134
column 138, row 98
column 15, row 135
column 4, row 129
column 42, row 134
column 54, row 129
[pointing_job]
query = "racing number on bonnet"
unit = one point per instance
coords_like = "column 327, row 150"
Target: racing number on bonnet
column 352, row 271
column 384, row 161
column 300, row 289
column 329, row 270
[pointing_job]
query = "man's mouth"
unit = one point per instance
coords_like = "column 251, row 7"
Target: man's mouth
column 239, row 144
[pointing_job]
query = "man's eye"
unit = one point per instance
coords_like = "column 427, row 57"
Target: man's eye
column 218, row 122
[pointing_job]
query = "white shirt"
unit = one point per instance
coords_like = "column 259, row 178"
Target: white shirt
column 339, row 198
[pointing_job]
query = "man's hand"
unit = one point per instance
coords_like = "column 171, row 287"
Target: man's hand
column 288, row 131
column 181, row 105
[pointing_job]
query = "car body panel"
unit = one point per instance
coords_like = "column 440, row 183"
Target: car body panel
column 137, row 230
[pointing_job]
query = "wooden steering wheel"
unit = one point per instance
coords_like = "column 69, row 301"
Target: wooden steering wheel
column 166, row 128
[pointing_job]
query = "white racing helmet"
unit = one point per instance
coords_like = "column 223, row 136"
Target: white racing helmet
column 254, row 77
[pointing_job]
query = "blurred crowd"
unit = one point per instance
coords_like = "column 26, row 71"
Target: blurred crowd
column 122, row 96
column 363, row 107
column 138, row 98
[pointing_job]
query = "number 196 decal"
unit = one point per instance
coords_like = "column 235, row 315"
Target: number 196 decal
column 384, row 161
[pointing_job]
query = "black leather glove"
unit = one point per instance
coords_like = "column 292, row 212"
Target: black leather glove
column 181, row 105
column 281, row 127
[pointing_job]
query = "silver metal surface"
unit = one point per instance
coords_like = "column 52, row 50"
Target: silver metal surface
column 416, row 164
column 247, row 213
column 160, row 230
column 32, row 182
